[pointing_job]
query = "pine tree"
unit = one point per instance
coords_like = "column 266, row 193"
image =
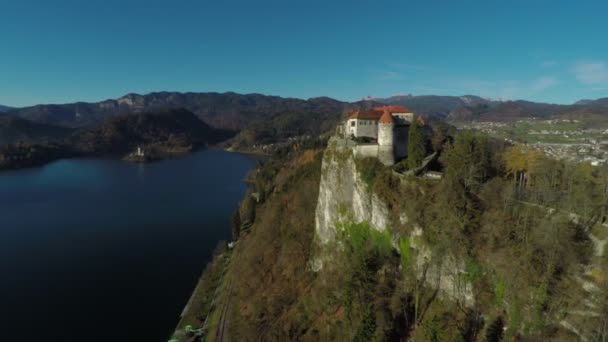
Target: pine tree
column 415, row 149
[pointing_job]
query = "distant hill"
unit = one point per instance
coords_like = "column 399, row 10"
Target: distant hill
column 5, row 108
column 603, row 102
column 514, row 110
column 167, row 130
column 583, row 102
column 228, row 110
column 24, row 143
column 13, row 130
column 262, row 119
column 470, row 107
column 433, row 105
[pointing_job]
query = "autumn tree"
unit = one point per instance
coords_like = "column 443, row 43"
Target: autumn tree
column 521, row 162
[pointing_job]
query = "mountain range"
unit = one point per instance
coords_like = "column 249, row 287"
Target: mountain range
column 227, row 110
column 262, row 119
column 5, row 108
column 470, row 107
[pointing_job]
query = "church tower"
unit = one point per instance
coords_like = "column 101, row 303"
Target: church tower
column 386, row 131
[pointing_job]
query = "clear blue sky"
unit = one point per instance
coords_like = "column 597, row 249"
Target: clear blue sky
column 67, row 50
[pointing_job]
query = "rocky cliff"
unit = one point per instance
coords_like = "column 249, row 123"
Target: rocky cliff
column 343, row 196
column 346, row 199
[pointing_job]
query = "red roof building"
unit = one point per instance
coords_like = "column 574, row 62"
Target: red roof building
column 386, row 117
column 366, row 115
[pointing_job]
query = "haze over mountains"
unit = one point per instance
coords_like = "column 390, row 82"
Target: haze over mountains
column 267, row 119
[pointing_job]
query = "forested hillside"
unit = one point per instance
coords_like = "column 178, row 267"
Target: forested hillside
column 14, row 130
column 169, row 129
column 262, row 119
column 508, row 245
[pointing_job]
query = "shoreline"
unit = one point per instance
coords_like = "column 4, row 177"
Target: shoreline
column 24, row 164
column 246, row 152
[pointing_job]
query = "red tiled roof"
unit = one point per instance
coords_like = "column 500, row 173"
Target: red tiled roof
column 387, row 117
column 378, row 112
column 365, row 115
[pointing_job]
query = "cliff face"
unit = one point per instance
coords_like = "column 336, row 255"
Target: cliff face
column 346, row 199
column 343, row 196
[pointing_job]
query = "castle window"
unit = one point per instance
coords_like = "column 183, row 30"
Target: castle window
column 352, row 123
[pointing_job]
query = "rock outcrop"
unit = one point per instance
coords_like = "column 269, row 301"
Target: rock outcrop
column 344, row 198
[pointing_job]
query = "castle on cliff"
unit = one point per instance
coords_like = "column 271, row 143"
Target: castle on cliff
column 381, row 132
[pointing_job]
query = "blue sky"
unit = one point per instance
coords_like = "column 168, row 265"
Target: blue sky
column 68, row 50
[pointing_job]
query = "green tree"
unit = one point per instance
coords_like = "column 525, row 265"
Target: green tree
column 468, row 165
column 415, row 149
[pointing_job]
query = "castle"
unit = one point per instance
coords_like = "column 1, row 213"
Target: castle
column 381, row 132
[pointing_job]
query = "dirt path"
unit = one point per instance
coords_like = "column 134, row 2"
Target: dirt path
column 224, row 323
column 221, row 331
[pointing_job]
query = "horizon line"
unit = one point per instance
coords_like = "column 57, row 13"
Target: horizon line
column 365, row 98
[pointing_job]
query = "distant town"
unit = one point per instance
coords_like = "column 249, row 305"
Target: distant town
column 564, row 139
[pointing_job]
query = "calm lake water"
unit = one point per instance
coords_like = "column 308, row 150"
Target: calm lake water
column 105, row 250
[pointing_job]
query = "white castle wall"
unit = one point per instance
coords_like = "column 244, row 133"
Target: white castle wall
column 363, row 128
column 363, row 151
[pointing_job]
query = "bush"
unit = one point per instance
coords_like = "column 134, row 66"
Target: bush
column 369, row 169
column 362, row 236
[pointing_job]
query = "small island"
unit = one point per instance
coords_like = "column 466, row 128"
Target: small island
column 140, row 156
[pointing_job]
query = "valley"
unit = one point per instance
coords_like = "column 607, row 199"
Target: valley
column 579, row 140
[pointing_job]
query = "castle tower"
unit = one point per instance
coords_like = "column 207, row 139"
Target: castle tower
column 386, row 130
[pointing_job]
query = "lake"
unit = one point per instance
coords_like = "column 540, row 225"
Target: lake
column 105, row 250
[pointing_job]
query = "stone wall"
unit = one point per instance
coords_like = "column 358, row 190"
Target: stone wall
column 386, row 155
column 366, row 150
column 363, row 128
